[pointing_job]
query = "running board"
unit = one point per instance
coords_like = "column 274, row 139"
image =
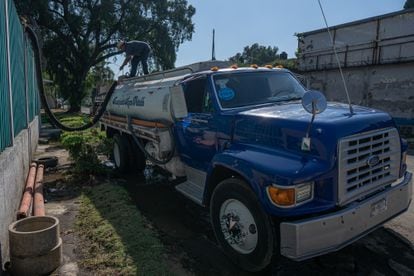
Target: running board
column 193, row 188
column 192, row 191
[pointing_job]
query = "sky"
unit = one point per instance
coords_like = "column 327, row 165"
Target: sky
column 239, row 23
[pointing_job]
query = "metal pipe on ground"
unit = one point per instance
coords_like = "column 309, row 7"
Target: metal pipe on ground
column 39, row 203
column 24, row 209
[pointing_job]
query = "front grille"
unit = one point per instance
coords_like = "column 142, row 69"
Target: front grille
column 367, row 162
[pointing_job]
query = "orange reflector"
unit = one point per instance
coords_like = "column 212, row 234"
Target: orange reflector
column 234, row 66
column 279, row 66
column 254, row 66
column 269, row 66
column 215, row 68
column 282, row 197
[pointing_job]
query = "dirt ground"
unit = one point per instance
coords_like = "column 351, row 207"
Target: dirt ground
column 186, row 233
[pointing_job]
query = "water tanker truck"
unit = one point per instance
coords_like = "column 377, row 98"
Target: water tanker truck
column 283, row 172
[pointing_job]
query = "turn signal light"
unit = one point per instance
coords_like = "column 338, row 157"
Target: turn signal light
column 282, row 197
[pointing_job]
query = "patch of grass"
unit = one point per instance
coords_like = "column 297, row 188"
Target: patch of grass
column 68, row 119
column 114, row 238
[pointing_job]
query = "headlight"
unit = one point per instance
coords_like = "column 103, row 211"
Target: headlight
column 303, row 192
column 290, row 196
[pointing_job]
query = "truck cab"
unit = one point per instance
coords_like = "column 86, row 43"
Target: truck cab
column 278, row 180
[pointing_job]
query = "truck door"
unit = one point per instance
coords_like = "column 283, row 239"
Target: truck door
column 197, row 132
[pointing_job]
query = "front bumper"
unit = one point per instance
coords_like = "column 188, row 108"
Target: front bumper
column 308, row 238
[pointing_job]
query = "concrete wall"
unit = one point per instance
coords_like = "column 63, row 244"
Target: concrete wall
column 386, row 87
column 377, row 58
column 14, row 167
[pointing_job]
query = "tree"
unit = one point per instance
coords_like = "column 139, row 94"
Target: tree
column 256, row 54
column 79, row 34
column 99, row 76
column 409, row 4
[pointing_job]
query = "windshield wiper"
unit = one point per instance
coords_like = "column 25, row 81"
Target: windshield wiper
column 288, row 99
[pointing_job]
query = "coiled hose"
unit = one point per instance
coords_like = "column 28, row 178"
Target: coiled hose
column 33, row 39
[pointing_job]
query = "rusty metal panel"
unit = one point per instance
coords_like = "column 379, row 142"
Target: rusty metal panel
column 356, row 34
column 397, row 26
column 379, row 40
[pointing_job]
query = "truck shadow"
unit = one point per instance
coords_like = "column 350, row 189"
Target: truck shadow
column 185, row 230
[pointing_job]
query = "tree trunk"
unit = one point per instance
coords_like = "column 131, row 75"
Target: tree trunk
column 77, row 91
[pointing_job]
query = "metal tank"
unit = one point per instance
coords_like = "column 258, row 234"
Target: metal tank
column 154, row 100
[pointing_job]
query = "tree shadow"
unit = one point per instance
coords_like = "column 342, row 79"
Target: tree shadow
column 185, row 232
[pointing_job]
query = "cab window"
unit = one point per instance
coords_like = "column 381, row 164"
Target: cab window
column 197, row 96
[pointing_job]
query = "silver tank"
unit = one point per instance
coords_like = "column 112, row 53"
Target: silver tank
column 153, row 100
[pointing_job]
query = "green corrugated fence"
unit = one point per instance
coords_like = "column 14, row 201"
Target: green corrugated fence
column 17, row 57
column 5, row 116
column 19, row 98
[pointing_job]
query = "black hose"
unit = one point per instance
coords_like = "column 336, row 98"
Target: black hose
column 56, row 123
column 147, row 155
column 54, row 120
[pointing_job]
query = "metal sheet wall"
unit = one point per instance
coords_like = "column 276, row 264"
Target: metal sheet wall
column 5, row 118
column 385, row 39
column 17, row 70
column 32, row 91
column 23, row 104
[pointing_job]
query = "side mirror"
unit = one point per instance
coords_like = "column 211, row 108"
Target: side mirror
column 314, row 102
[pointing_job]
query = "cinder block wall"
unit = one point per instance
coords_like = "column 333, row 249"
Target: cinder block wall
column 14, row 167
column 386, row 87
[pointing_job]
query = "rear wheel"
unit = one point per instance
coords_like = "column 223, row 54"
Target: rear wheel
column 121, row 153
column 243, row 230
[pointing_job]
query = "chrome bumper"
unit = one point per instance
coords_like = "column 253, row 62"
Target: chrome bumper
column 308, row 238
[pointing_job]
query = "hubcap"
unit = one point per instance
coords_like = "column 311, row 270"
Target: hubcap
column 117, row 155
column 238, row 226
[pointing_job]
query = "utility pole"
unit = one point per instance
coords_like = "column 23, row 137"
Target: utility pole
column 213, row 52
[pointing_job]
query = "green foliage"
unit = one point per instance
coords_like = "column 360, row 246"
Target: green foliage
column 80, row 34
column 256, row 54
column 100, row 74
column 85, row 146
column 290, row 64
column 115, row 239
column 409, row 4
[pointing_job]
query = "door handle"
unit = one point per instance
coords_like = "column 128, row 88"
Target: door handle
column 199, row 121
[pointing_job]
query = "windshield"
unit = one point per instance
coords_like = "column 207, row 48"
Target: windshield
column 251, row 88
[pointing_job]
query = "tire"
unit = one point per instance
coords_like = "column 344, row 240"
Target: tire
column 236, row 214
column 121, row 153
column 137, row 157
column 48, row 161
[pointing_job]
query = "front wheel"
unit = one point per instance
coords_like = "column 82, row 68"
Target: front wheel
column 243, row 230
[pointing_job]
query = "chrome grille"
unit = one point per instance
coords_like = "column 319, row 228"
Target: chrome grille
column 367, row 162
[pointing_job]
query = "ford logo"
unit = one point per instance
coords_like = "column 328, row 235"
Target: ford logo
column 373, row 160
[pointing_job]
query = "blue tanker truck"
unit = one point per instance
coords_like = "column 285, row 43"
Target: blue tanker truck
column 283, row 172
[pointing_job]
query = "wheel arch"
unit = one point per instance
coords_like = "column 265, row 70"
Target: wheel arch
column 220, row 172
column 110, row 132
